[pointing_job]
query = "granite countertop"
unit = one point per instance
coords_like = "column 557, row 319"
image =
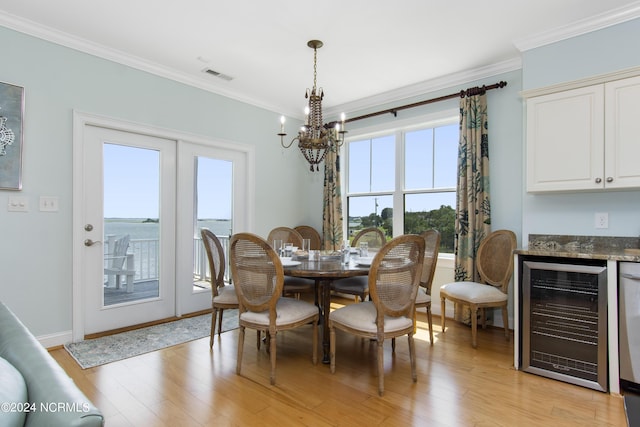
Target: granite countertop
column 589, row 247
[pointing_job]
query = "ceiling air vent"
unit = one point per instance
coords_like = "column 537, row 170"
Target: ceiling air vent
column 217, row 74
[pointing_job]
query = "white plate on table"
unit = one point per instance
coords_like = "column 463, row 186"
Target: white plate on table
column 364, row 261
column 288, row 262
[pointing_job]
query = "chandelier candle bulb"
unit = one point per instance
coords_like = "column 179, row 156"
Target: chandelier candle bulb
column 282, row 119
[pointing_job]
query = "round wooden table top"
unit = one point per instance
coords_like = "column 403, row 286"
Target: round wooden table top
column 328, row 269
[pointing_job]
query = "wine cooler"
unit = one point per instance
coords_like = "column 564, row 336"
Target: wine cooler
column 564, row 318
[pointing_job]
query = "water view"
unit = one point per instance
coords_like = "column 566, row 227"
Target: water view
column 146, row 228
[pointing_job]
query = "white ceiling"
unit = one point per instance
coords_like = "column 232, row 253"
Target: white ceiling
column 374, row 51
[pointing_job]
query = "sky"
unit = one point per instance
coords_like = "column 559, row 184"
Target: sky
column 430, row 164
column 131, row 189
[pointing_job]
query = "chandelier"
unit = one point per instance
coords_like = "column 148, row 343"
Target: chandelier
column 315, row 138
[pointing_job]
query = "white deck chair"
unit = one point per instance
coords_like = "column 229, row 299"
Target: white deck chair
column 119, row 263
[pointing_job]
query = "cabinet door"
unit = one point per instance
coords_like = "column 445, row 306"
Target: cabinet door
column 565, row 140
column 622, row 124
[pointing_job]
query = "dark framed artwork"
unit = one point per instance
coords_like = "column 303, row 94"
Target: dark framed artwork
column 11, row 117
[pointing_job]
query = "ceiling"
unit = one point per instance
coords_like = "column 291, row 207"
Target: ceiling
column 374, row 51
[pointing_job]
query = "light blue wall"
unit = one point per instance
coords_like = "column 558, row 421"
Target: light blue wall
column 36, row 247
column 607, row 50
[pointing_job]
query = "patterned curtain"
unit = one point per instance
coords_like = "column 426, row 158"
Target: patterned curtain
column 473, row 207
column 332, row 206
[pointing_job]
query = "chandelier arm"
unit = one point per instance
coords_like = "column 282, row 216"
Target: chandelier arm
column 282, row 140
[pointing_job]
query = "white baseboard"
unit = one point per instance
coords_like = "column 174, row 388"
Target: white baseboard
column 55, row 340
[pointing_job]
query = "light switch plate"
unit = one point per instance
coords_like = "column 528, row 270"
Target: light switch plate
column 18, row 204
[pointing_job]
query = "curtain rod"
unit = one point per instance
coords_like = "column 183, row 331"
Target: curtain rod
column 477, row 90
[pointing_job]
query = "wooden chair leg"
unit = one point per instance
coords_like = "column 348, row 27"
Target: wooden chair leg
column 240, row 348
column 272, row 351
column 505, row 321
column 213, row 326
column 474, row 326
column 220, row 321
column 412, row 356
column 430, row 322
column 381, row 367
column 332, row 349
column 443, row 305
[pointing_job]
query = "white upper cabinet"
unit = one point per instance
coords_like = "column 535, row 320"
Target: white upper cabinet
column 622, row 133
column 585, row 138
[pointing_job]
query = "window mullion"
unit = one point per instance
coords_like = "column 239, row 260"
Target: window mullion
column 398, row 194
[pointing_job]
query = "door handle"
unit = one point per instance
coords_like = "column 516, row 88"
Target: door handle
column 89, row 242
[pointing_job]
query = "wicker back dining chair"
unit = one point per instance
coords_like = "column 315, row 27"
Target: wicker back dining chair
column 359, row 286
column 374, row 237
column 286, row 234
column 431, row 250
column 494, row 262
column 259, row 277
column 308, row 232
column 292, row 285
column 394, row 278
column 223, row 296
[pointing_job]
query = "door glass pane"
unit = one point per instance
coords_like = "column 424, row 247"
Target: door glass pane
column 131, row 224
column 431, row 210
column 370, row 211
column 213, row 208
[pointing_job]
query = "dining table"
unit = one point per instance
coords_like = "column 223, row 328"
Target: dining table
column 324, row 271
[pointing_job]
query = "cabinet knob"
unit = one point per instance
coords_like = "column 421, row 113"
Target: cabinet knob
column 598, row 180
column 609, row 179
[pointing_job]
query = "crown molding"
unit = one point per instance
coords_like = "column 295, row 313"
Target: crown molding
column 425, row 87
column 584, row 26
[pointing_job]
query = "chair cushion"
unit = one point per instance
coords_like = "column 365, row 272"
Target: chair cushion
column 226, row 295
column 288, row 310
column 12, row 391
column 362, row 316
column 422, row 297
column 293, row 284
column 473, row 292
column 356, row 284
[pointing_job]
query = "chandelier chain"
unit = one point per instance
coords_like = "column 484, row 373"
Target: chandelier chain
column 315, row 67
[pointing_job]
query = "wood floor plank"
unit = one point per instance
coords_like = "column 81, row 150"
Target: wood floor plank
column 190, row 385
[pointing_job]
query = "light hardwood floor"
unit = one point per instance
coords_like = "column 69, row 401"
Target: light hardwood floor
column 187, row 385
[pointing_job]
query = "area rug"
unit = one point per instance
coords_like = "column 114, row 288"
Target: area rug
column 111, row 348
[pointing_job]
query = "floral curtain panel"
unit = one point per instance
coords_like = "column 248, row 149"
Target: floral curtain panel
column 332, row 206
column 473, row 207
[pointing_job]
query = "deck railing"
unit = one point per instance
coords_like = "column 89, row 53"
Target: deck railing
column 146, row 258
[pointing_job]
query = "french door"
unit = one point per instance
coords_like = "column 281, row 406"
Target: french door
column 130, row 194
column 141, row 196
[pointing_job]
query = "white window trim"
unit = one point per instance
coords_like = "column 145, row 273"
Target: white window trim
column 398, row 127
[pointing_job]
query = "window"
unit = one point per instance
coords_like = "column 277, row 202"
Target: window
column 410, row 169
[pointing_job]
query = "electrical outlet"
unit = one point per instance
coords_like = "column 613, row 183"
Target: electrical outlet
column 48, row 204
column 602, row 220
